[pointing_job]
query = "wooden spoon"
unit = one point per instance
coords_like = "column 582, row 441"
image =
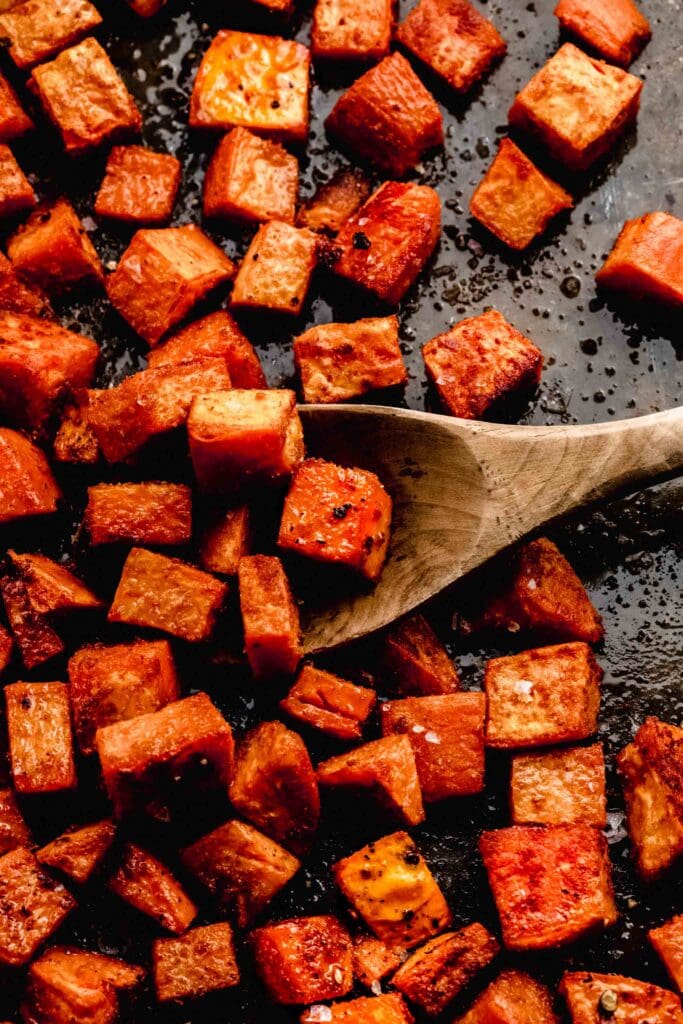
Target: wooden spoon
column 464, row 490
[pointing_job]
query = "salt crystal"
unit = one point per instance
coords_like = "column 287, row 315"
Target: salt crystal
column 524, row 687
column 376, row 988
column 418, row 729
column 318, row 1013
column 532, row 585
column 432, row 737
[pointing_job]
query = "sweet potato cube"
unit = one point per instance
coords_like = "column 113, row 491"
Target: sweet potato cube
column 139, row 186
column 226, row 540
column 14, row 121
column 385, row 244
column 304, row 960
column 245, row 436
column 79, row 851
column 334, row 202
column 270, row 617
column 214, row 336
column 645, row 262
column 541, row 697
column 651, row 768
column 577, row 107
column 187, row 745
column 668, row 942
column 17, row 296
column 13, row 829
column 201, row 961
column 328, row 703
column 551, row 883
column 337, row 362
column 35, row 638
column 241, row 868
column 75, row 441
column 52, row 249
column 38, row 30
column 274, row 785
column 276, row 271
column 351, row 30
column 50, row 587
column 387, row 1009
column 162, row 274
column 435, row 973
column 389, row 884
column 636, row 1001
column 388, row 117
column 33, row 906
column 616, row 29
column 148, row 885
column 6, row 649
column 453, row 39
column 16, row 194
column 144, row 513
column 373, row 960
column 416, row 659
column 387, row 768
column 66, row 986
column 514, row 997
column 558, row 787
column 337, row 515
column 251, row 179
column 114, row 684
column 84, row 97
column 253, row 81
column 40, row 739
column 446, row 733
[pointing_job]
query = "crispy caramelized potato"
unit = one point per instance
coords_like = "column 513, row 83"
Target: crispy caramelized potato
column 71, row 986
column 668, row 941
column 214, row 336
column 78, row 852
column 513, row 998
column 50, row 587
column 225, row 541
column 276, row 271
column 40, row 739
column 202, row 961
column 616, row 29
column 16, row 193
column 35, row 638
column 328, row 703
column 148, row 885
column 17, row 296
column 14, row 121
column 270, row 617
column 139, row 186
column 38, row 29
column 551, row 883
column 388, row 1009
column 304, row 960
column 416, row 659
column 13, row 829
column 559, row 787
column 352, row 29
column 75, row 441
column 251, row 179
column 334, row 202
column 636, row 1001
column 373, row 960
column 144, row 513
column 645, row 262
column 33, row 906
column 52, row 249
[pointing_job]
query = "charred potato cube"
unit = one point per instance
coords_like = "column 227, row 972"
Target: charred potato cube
column 16, row 193
column 590, row 998
column 75, row 441
column 139, row 186
column 147, row 885
column 514, row 997
column 304, row 960
column 144, row 513
column 373, row 960
column 40, row 737
column 388, row 1009
column 79, row 852
column 352, row 29
column 559, row 787
column 35, row 638
column 335, row 201
column 646, row 260
column 329, row 704
column 276, row 271
column 33, row 905
column 226, row 540
column 251, row 179
column 417, row 661
column 270, row 617
column 16, row 296
column 52, row 249
column 216, row 336
column 50, row 587
column 203, row 960
column 616, row 29
column 38, row 30
column 70, row 986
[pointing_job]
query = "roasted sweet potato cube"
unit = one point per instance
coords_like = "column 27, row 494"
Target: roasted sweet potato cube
column 17, row 296
column 385, row 244
column 84, row 97
column 388, row 117
column 373, row 960
column 274, row 785
column 270, row 617
column 147, row 884
column 276, row 271
column 202, row 961
column 79, row 852
column 114, row 684
column 40, row 739
column 590, row 998
column 33, row 906
column 334, row 202
column 186, row 745
column 253, row 81
column 304, row 960
column 139, row 186
column 13, row 829
column 71, row 985
column 387, row 768
column 245, row 436
column 328, row 703
column 251, row 179
column 162, row 274
column 75, row 441
column 387, row 1009
column 551, row 883
column 446, row 733
column 645, row 262
column 144, row 513
column 16, row 194
column 52, row 249
column 515, row 998
column 435, row 973
column 389, row 884
column 541, row 697
column 14, row 121
column 214, row 336
column 351, row 29
column 577, row 107
column 39, row 29
column 668, row 942
column 417, row 661
column 337, row 515
column 6, row 649
column 35, row 638
column 558, row 787
column 241, row 868
column 50, row 587
column 651, row 767
column 616, row 29
column 226, row 540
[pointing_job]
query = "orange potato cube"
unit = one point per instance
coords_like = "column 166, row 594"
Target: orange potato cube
column 13, row 829
column 251, row 179
column 577, row 107
column 636, row 1001
column 79, row 852
column 52, row 249
column 162, row 274
column 37, row 29
column 385, row 244
column 551, row 883
column 16, row 194
column 253, row 81
column 337, row 515
column 139, row 186
column 387, row 768
column 616, row 29
column 40, row 738
column 144, row 513
column 328, row 703
column 388, row 116
column 148, row 885
column 513, row 998
column 337, row 362
column 416, row 659
column 559, row 787
column 373, row 960
column 226, row 540
column 75, row 441
column 17, row 296
column 202, row 961
column 276, row 271
column 668, row 942
column 68, row 985
column 646, row 260
column 481, row 361
column 304, row 960
column 334, row 202
column 50, row 587
column 388, row 1009
column 446, row 733
column 35, row 638
column 651, row 768
column 390, row 886
column 277, row 7
column 6, row 649
column 241, row 868
column 270, row 617
column 274, row 785
column 114, row 684
column 351, row 29
column 214, row 336
column 33, row 906
column 453, row 39
column 14, row 121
